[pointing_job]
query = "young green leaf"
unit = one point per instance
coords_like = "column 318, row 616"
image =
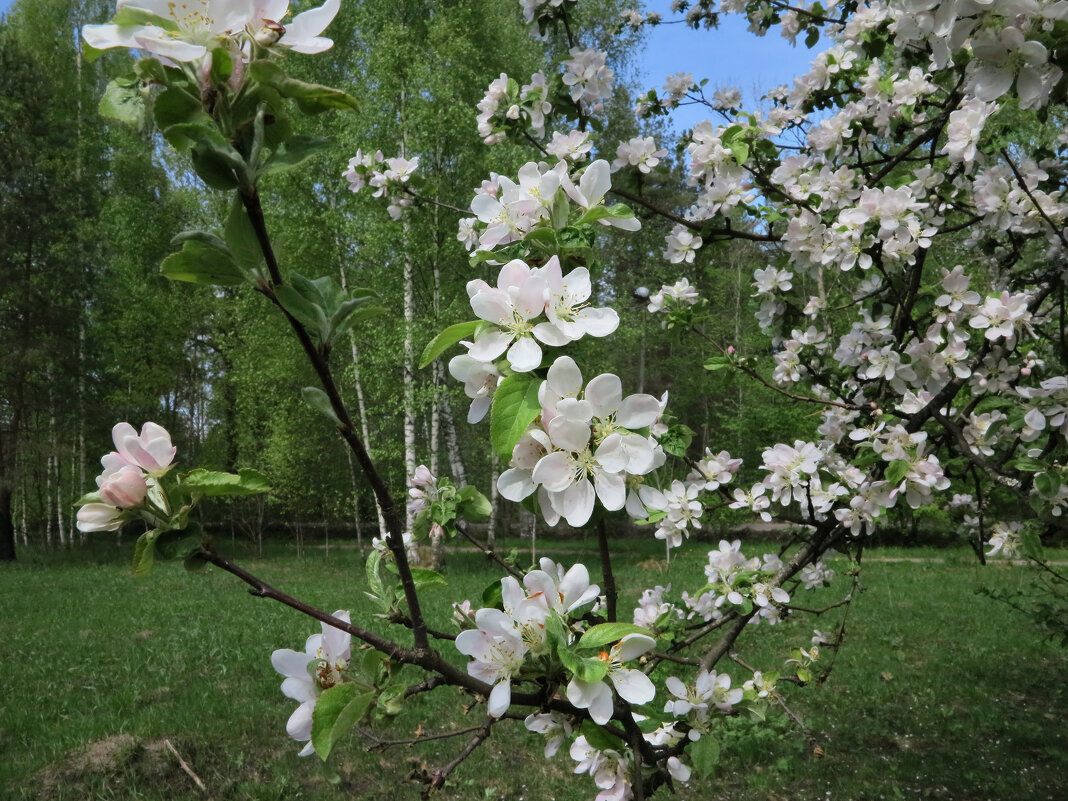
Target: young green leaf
column 446, row 339
column 200, row 263
column 336, row 711
column 515, row 405
column 320, row 401
column 606, row 633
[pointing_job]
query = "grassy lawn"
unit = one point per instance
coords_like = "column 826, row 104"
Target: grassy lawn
column 938, row 692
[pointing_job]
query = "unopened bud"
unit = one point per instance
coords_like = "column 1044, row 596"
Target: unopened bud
column 730, row 350
column 1025, row 371
column 270, row 33
column 641, row 292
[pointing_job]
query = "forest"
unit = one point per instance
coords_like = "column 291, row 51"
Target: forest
column 94, row 334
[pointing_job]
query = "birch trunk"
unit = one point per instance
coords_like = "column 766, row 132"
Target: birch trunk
column 409, row 348
column 361, row 408
column 491, row 531
column 452, row 446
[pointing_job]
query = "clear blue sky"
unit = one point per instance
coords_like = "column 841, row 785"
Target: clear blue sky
column 729, row 56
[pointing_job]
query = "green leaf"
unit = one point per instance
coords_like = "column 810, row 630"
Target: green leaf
column 740, row 150
column 1031, row 545
column 424, row 578
column 677, row 440
column 599, row 738
column 200, row 263
column 320, row 401
column 605, row 633
column 214, row 170
column 122, row 101
column 896, row 472
column 705, row 756
column 446, row 339
column 492, row 597
column 1048, row 485
column 144, row 553
column 312, row 98
column 294, row 152
column 89, row 497
column 150, row 70
column 473, row 505
column 222, row 66
column 175, row 108
column 306, row 312
column 336, row 711
column 204, row 237
column 241, row 238
column 211, row 483
column 374, row 579
column 1027, row 464
column 619, row 211
column 132, row 16
column 515, row 405
column 583, row 669
column 717, row 362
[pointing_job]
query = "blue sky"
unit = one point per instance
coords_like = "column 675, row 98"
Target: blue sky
column 729, row 56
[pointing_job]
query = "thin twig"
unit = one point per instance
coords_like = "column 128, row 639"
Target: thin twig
column 442, row 774
column 185, row 765
column 382, row 745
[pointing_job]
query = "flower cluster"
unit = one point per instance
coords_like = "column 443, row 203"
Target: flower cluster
column 388, row 177
column 506, row 103
column 187, row 32
column 130, row 471
column 583, row 446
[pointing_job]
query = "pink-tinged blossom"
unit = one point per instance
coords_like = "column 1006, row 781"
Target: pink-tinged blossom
column 480, row 380
column 573, row 146
column 609, row 769
column 560, row 591
column 999, row 317
column 151, row 450
column 555, row 727
column 965, row 127
column 497, row 650
column 589, row 77
column 640, row 152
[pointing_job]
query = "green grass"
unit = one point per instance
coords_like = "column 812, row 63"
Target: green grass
column 938, row 692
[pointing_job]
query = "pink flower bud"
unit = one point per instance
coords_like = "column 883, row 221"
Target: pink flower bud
column 124, row 488
column 730, row 350
column 1025, row 371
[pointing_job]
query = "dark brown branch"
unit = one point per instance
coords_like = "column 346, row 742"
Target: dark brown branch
column 251, row 201
column 610, row 594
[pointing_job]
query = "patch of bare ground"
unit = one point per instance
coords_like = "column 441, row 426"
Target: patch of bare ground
column 114, row 763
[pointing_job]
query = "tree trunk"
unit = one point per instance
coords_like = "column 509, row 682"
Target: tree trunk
column 409, row 356
column 491, row 531
column 7, row 527
column 362, row 410
column 456, row 464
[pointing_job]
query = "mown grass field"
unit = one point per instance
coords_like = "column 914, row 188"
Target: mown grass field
column 939, row 693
